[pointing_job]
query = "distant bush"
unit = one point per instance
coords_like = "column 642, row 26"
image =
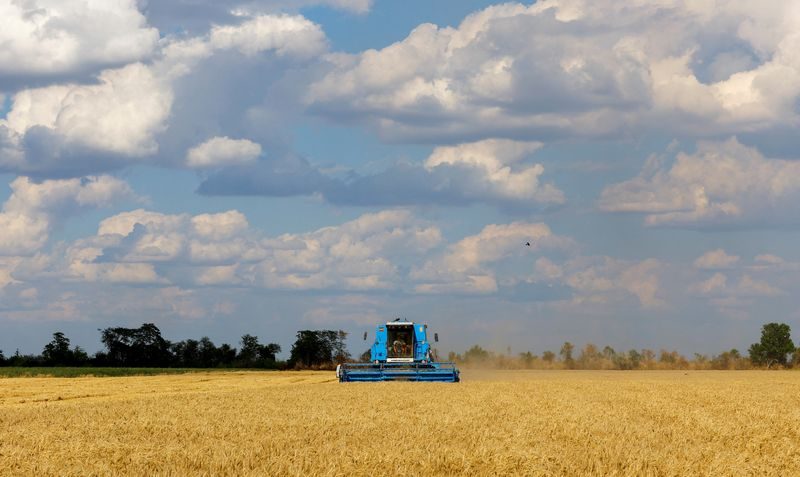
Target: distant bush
column 591, row 357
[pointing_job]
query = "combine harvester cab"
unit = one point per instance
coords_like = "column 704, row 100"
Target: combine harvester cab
column 401, row 352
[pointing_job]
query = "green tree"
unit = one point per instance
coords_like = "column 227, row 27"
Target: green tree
column 648, row 356
column 79, row 356
column 208, row 353
column 57, row 352
column 622, row 361
column 589, row 357
column 254, row 354
column 267, row 353
column 566, row 354
column 727, row 360
column 227, row 355
column 548, row 356
column 187, row 353
column 635, row 358
column 476, row 354
column 528, row 358
column 143, row 346
column 315, row 348
column 248, row 353
column 775, row 345
column 668, row 357
column 340, row 353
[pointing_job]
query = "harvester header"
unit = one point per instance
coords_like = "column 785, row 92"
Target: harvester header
column 401, row 352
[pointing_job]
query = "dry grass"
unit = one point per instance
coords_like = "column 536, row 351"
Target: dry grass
column 512, row 422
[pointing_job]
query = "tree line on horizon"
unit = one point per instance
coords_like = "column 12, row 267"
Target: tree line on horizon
column 774, row 350
column 323, row 349
column 145, row 347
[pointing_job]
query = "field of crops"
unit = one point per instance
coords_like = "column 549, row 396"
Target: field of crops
column 305, row 423
column 58, row 372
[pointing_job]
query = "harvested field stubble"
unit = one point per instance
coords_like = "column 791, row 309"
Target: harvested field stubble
column 305, row 423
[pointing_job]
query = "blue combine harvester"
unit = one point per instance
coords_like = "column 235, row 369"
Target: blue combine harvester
column 401, row 352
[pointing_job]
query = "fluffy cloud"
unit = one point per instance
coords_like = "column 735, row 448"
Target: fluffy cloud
column 120, row 114
column 354, row 256
column 219, row 226
column 720, row 184
column 568, row 67
column 121, row 273
column 498, row 260
column 385, row 251
column 715, row 259
column 7, row 264
column 462, row 268
column 497, row 164
column 222, row 249
column 145, row 236
column 357, row 6
column 362, row 309
column 59, row 37
column 78, row 129
column 223, row 151
column 494, row 171
column 737, row 296
column 715, row 283
column 132, row 247
column 773, row 263
column 30, row 212
column 197, row 16
column 291, row 35
column 718, row 286
column 601, row 280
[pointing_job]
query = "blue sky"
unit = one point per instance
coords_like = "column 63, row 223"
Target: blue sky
column 221, row 168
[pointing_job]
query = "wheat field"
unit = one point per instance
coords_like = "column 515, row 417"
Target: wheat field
column 306, row 423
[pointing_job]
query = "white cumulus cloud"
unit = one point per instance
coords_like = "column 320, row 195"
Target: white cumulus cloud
column 566, row 67
column 222, row 249
column 120, row 114
column 462, row 268
column 76, row 129
column 33, row 207
column 722, row 183
column 291, row 35
column 716, row 259
column 602, row 280
column 719, row 285
column 502, row 175
column 499, row 172
column 49, row 37
column 223, row 151
column 356, row 255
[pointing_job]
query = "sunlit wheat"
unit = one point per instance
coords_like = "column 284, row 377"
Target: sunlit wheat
column 503, row 422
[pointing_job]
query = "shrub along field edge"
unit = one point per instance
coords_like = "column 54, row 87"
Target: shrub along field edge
column 73, row 372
